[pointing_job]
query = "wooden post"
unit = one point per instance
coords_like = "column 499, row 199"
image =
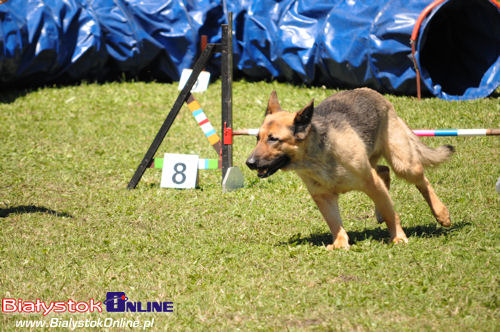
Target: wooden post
column 203, row 43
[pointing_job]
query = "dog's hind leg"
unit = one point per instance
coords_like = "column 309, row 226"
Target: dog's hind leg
column 385, row 174
column 376, row 189
column 408, row 156
column 328, row 206
column 414, row 173
column 438, row 209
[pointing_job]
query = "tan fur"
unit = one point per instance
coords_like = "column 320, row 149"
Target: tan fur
column 336, row 151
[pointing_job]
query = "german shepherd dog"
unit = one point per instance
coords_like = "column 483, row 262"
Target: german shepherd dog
column 334, row 148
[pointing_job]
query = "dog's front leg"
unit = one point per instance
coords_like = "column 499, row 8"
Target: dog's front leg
column 385, row 174
column 376, row 189
column 328, row 205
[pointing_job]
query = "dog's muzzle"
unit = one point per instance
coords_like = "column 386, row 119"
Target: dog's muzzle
column 267, row 168
column 251, row 163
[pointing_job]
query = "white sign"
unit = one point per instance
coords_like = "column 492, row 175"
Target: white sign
column 201, row 83
column 179, row 171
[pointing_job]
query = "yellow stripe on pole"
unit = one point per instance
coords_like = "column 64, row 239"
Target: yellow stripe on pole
column 213, row 139
column 194, row 105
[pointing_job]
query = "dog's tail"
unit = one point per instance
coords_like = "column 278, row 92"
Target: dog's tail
column 432, row 156
column 410, row 147
column 428, row 156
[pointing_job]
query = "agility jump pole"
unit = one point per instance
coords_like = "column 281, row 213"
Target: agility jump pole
column 207, row 129
column 224, row 146
column 204, row 123
column 456, row 132
column 418, row 132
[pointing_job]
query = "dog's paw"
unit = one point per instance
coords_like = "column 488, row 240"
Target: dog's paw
column 339, row 243
column 445, row 222
column 400, row 239
column 443, row 217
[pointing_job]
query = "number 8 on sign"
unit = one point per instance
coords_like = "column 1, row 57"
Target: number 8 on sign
column 179, row 171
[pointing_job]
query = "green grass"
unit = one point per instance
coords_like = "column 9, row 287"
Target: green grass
column 253, row 259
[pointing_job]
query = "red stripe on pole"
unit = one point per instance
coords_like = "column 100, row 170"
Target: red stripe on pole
column 203, row 122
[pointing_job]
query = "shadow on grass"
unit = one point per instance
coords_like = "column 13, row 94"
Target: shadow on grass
column 9, row 95
column 377, row 234
column 5, row 212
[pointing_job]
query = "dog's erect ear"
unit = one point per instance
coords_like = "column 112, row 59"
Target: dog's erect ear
column 273, row 105
column 302, row 121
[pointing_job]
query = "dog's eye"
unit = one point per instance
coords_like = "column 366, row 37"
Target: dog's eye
column 271, row 138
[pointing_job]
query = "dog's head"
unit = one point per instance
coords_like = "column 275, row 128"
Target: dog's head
column 280, row 138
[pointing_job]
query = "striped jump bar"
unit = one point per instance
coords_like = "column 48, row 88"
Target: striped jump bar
column 418, row 132
column 202, row 163
column 456, row 132
column 204, row 123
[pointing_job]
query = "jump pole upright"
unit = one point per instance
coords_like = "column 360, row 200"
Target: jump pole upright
column 232, row 178
column 227, row 95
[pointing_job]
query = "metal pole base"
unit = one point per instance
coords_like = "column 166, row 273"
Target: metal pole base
column 233, row 180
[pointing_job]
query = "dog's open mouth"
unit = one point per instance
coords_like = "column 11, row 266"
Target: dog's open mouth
column 268, row 170
column 265, row 172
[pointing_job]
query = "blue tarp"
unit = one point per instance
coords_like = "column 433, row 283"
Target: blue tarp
column 336, row 43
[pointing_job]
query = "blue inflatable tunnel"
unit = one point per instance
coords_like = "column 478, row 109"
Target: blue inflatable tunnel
column 446, row 48
column 354, row 43
column 458, row 48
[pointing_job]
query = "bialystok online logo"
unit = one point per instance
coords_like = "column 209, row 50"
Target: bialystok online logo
column 118, row 302
column 115, row 302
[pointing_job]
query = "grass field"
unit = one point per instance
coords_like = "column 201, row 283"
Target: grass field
column 253, row 259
